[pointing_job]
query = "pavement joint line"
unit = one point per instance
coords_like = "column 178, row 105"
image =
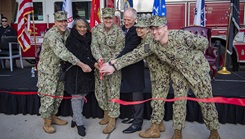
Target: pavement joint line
column 221, row 80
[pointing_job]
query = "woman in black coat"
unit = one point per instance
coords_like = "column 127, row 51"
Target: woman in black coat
column 77, row 82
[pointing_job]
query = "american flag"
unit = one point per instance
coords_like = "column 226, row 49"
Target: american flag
column 159, row 8
column 67, row 6
column 24, row 31
column 199, row 15
column 127, row 4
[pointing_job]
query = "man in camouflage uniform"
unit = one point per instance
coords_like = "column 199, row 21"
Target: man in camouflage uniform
column 49, row 86
column 183, row 51
column 107, row 43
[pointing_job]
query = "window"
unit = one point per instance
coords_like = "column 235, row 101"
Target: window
column 38, row 11
column 58, row 6
column 79, row 9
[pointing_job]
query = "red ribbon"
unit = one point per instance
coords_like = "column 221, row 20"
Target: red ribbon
column 36, row 93
column 233, row 101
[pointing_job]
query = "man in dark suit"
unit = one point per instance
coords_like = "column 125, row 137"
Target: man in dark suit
column 133, row 75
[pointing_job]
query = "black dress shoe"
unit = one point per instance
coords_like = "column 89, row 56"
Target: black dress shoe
column 132, row 129
column 81, row 130
column 73, row 124
column 128, row 121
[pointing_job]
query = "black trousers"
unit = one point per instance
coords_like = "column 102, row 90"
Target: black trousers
column 138, row 110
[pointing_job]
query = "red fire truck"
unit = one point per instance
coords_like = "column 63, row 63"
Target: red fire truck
column 180, row 13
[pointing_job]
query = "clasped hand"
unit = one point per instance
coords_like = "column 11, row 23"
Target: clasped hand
column 106, row 69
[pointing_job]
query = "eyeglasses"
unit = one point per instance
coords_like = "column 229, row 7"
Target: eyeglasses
column 140, row 27
column 4, row 21
column 157, row 28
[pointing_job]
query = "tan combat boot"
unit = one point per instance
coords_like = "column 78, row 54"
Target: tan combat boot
column 58, row 121
column 177, row 134
column 47, row 127
column 214, row 135
column 152, row 132
column 161, row 127
column 105, row 119
column 110, row 126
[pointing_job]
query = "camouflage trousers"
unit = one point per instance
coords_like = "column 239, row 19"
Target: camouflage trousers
column 49, row 85
column 160, row 87
column 110, row 89
column 201, row 90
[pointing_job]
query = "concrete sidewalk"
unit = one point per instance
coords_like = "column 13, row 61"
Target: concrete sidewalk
column 30, row 127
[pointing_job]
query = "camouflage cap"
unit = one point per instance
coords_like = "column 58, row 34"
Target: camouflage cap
column 158, row 21
column 60, row 15
column 142, row 22
column 108, row 12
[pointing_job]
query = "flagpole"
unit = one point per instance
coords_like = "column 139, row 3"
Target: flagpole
column 224, row 70
column 34, row 32
column 160, row 6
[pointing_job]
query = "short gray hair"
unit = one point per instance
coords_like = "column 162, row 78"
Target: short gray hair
column 83, row 21
column 133, row 11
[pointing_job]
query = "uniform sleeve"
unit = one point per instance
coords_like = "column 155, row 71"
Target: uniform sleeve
column 95, row 45
column 61, row 51
column 196, row 42
column 132, row 44
column 134, row 56
column 161, row 54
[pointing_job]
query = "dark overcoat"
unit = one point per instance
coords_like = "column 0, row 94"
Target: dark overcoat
column 77, row 81
column 132, row 75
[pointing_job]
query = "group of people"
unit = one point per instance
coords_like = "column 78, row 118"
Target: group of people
column 172, row 56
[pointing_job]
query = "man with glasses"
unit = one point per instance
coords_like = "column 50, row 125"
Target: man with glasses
column 5, row 29
column 183, row 51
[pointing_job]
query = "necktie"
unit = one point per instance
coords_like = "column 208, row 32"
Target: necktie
column 125, row 31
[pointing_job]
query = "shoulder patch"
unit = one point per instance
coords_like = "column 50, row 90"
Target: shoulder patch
column 147, row 48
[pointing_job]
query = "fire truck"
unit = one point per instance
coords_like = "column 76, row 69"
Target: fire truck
column 180, row 13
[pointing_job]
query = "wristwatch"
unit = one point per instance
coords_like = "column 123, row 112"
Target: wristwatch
column 112, row 65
